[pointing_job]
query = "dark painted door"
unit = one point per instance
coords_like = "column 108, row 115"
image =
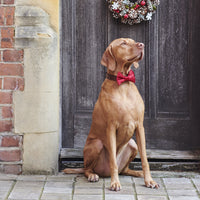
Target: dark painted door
column 168, row 77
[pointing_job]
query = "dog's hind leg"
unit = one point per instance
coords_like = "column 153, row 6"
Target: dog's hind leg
column 92, row 150
column 125, row 157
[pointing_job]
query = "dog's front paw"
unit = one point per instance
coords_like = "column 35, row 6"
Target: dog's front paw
column 151, row 184
column 93, row 178
column 115, row 186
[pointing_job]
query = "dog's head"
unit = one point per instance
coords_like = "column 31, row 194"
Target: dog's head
column 121, row 54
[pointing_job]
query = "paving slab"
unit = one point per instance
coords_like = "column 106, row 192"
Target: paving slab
column 151, row 197
column 176, row 180
column 53, row 196
column 183, row 198
column 57, row 191
column 88, row 197
column 170, row 174
column 8, row 177
column 88, row 191
column 5, row 188
column 178, row 184
column 178, row 188
column 24, row 190
column 182, row 192
column 4, row 185
column 61, row 177
column 29, row 184
column 197, row 184
column 126, row 179
column 31, row 178
column 58, row 184
column 119, row 197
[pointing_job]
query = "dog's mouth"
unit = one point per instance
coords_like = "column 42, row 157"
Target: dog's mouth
column 137, row 58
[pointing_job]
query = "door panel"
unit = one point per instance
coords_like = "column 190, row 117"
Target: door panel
column 89, row 40
column 167, row 77
column 173, row 70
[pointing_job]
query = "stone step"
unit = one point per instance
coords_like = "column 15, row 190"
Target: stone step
column 30, row 16
column 156, row 166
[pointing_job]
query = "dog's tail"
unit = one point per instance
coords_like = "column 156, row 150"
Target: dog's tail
column 73, row 171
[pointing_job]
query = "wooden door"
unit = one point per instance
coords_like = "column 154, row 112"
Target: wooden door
column 168, row 76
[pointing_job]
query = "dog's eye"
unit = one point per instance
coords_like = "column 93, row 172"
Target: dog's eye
column 123, row 43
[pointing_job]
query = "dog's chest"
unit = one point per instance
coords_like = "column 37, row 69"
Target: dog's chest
column 130, row 109
column 129, row 102
column 121, row 103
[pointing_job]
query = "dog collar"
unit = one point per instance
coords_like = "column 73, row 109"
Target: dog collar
column 111, row 77
column 120, row 78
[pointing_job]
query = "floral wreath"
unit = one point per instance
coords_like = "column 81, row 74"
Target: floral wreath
column 133, row 11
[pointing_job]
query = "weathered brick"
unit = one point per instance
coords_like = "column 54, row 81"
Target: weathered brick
column 12, row 169
column 0, row 83
column 5, row 125
column 7, row 35
column 7, row 112
column 7, row 32
column 10, row 141
column 1, row 16
column 8, row 1
column 10, row 156
column 11, row 69
column 13, row 83
column 5, row 97
column 13, row 56
column 9, row 15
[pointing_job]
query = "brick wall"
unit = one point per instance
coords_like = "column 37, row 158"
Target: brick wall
column 11, row 79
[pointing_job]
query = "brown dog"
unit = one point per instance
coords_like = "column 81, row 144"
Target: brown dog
column 118, row 113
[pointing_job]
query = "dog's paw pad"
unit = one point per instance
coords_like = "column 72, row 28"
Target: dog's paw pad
column 152, row 184
column 93, row 178
column 115, row 186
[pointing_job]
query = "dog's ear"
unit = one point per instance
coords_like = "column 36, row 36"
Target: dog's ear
column 136, row 64
column 108, row 60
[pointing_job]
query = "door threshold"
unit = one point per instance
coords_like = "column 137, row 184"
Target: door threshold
column 71, row 153
column 159, row 160
column 154, row 166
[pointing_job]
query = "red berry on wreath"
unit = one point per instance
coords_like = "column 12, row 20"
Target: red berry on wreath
column 117, row 11
column 136, row 7
column 125, row 16
column 142, row 3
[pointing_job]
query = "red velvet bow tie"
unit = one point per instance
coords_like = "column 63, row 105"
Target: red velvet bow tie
column 121, row 78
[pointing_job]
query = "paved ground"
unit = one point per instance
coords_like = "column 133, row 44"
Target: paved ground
column 174, row 186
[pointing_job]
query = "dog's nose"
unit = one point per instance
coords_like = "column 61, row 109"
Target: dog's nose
column 140, row 45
